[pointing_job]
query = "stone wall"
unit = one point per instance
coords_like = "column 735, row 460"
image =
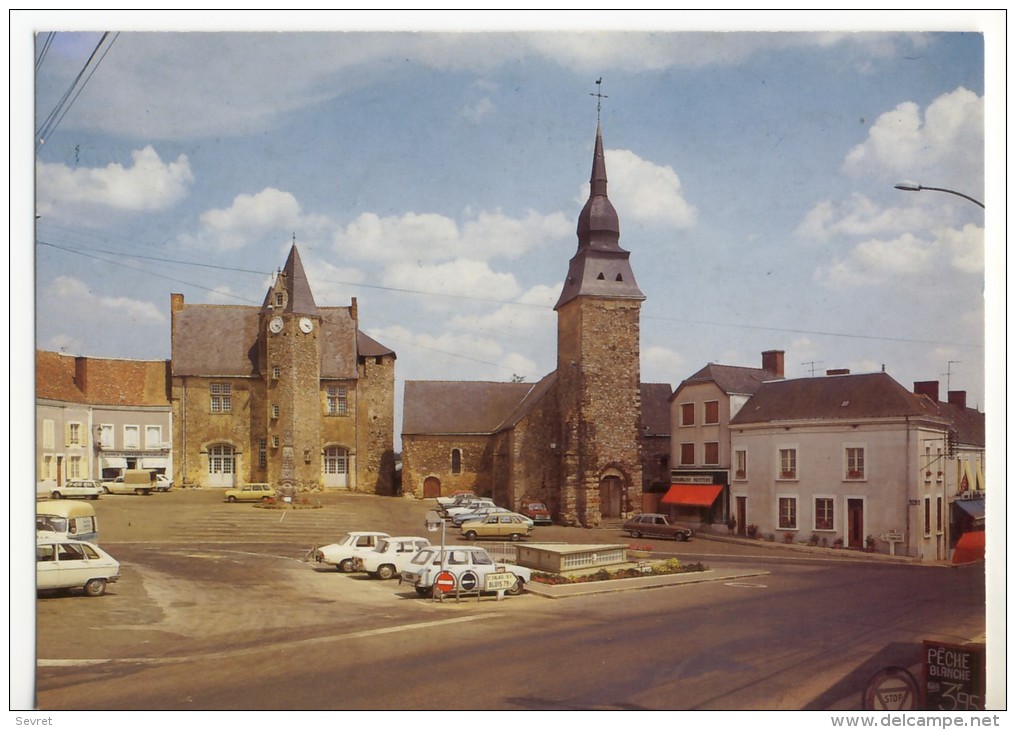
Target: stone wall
column 430, row 456
column 375, row 424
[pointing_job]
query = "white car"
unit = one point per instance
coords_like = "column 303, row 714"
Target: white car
column 350, row 546
column 84, row 488
column 480, row 503
column 163, row 483
column 468, row 566
column 391, row 556
column 62, row 563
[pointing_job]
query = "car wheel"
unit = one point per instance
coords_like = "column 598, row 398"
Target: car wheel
column 139, row 491
column 634, row 533
column 681, row 537
column 95, row 587
column 345, row 566
column 266, row 499
column 421, row 591
column 516, row 589
column 105, row 490
column 471, row 535
column 94, row 496
column 514, row 537
column 386, row 572
column 231, row 498
column 55, row 495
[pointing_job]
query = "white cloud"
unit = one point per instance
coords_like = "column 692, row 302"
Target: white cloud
column 79, row 302
column 148, row 184
column 966, row 248
column 644, row 191
column 878, row 261
column 478, row 110
column 944, row 148
column 859, row 215
column 663, row 365
column 458, row 278
column 427, row 237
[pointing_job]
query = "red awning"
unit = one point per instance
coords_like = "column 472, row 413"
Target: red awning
column 970, row 548
column 692, row 495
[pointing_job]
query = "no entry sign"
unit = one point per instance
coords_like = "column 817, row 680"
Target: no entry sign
column 445, row 581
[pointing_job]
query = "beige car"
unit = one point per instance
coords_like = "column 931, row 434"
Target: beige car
column 507, row 526
column 250, row 493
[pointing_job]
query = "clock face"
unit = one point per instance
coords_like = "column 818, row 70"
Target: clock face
column 275, row 325
column 306, row 325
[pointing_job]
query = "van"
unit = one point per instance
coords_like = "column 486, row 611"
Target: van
column 132, row 481
column 74, row 520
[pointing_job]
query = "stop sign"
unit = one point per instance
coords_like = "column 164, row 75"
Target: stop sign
column 445, row 581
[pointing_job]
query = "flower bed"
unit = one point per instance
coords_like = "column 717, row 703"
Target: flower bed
column 666, row 567
column 302, row 503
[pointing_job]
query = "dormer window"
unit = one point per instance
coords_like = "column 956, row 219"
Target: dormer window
column 279, row 297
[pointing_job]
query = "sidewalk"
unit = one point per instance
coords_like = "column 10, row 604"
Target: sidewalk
column 571, row 590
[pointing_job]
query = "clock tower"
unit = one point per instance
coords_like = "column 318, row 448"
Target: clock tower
column 286, row 414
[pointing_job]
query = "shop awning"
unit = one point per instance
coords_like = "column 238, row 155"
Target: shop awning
column 973, row 507
column 112, row 462
column 154, row 462
column 692, row 495
column 969, row 548
column 979, row 473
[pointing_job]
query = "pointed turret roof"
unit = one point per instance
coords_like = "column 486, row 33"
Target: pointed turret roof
column 600, row 268
column 299, row 299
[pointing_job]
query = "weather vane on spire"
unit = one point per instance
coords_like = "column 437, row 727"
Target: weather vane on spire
column 599, row 98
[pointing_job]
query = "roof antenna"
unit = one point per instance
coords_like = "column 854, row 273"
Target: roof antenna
column 599, row 97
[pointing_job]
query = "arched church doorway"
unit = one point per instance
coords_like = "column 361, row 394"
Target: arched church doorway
column 611, row 496
column 431, row 487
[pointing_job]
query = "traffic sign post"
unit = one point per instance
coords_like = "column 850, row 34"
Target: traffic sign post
column 444, row 583
column 893, row 688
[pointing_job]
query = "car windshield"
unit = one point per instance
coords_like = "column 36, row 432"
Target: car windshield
column 481, row 558
column 51, row 522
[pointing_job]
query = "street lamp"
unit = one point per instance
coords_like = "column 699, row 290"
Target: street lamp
column 913, row 187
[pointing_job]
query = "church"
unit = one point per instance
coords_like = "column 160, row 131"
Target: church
column 577, row 440
column 288, row 393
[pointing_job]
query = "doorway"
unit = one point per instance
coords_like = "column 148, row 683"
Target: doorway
column 855, row 523
column 431, row 488
column 610, row 497
column 742, row 515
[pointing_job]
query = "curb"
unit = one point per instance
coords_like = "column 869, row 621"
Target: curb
column 571, row 590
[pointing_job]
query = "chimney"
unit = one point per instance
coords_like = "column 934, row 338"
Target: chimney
column 175, row 302
column 81, row 373
column 958, row 398
column 772, row 361
column 928, row 388
column 838, row 371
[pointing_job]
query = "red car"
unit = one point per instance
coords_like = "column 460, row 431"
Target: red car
column 536, row 511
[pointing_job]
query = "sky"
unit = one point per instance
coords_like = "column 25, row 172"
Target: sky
column 437, row 177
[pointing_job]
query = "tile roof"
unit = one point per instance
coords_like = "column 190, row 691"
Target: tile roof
column 837, row 397
column 105, row 381
column 731, row 379
column 461, row 407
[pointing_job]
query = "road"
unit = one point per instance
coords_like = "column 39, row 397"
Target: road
column 217, row 611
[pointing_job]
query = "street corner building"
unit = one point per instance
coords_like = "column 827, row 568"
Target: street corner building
column 288, row 393
column 575, row 439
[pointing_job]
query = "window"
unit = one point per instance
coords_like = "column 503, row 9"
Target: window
column 687, row 414
column 275, row 442
column 712, row 452
column 456, row 461
column 687, row 453
column 46, row 470
column 855, row 462
column 106, row 436
column 938, row 515
column 336, row 460
column 337, row 401
column 788, row 463
column 220, row 459
column 740, row 464
column 712, row 414
column 788, row 513
column 153, row 437
column 275, row 410
column 74, row 467
column 823, row 513
column 263, row 453
column 74, row 434
column 132, row 437
column 927, row 516
column 222, row 397
column 278, row 299
column 276, row 372
column 47, row 434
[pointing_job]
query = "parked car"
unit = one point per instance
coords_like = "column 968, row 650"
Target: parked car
column 64, row 563
column 508, row 526
column 477, row 514
column 132, row 481
column 350, row 546
column 450, row 512
column 472, row 563
column 459, row 501
column 536, row 511
column 250, row 493
column 83, row 488
column 390, row 556
column 447, row 500
column 656, row 525
column 163, row 483
column 71, row 520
